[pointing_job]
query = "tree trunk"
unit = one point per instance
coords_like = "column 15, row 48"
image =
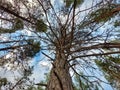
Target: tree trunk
column 60, row 78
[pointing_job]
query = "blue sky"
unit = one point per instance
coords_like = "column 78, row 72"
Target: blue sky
column 41, row 63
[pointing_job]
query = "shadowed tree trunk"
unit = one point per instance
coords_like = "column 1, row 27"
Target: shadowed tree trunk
column 60, row 78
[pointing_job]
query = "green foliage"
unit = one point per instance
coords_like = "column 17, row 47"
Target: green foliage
column 40, row 88
column 18, row 24
column 40, row 26
column 69, row 2
column 116, row 59
column 108, row 62
column 35, row 88
column 110, row 67
column 3, row 81
column 83, row 83
column 4, row 30
column 117, row 23
column 32, row 48
column 31, row 88
column 116, row 40
column 27, row 72
column 102, row 14
column 79, row 83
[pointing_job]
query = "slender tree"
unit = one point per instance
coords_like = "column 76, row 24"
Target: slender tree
column 73, row 34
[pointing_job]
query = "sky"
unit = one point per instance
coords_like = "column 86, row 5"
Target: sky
column 41, row 64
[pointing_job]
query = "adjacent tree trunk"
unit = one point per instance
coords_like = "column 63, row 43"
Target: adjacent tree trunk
column 60, row 78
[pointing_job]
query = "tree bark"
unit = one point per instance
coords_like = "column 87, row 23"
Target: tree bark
column 60, row 78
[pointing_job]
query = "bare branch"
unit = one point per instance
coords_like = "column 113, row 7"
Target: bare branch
column 41, row 84
column 47, row 56
column 12, row 47
column 15, row 14
column 92, row 55
column 97, row 46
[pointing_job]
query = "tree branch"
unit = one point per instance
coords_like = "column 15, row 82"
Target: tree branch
column 97, row 46
column 98, row 54
column 15, row 14
column 12, row 47
column 41, row 84
column 17, row 83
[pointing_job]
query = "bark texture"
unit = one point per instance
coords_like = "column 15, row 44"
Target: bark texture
column 60, row 78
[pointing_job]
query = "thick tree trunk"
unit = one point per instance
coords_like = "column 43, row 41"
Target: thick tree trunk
column 60, row 78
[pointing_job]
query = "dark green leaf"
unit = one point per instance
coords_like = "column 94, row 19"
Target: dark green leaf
column 3, row 81
column 41, row 26
column 18, row 24
column 70, row 2
column 33, row 48
column 103, row 14
column 5, row 30
column 117, row 23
